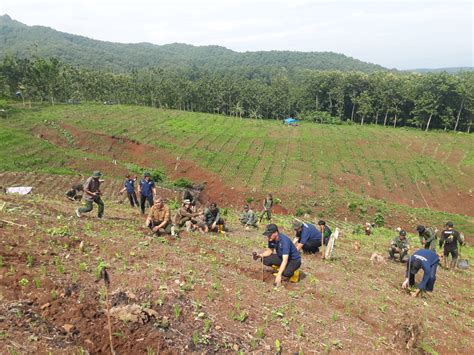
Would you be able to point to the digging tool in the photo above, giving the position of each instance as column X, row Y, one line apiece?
column 104, row 275
column 321, row 228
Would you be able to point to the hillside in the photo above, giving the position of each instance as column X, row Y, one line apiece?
column 353, row 172
column 19, row 39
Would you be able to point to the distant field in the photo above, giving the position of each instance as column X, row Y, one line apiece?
column 309, row 165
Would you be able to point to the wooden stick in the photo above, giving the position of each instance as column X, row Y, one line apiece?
column 13, row 223
column 262, row 270
column 321, row 228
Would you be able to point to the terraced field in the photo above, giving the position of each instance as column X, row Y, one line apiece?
column 316, row 168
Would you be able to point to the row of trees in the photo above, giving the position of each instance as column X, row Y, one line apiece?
column 436, row 100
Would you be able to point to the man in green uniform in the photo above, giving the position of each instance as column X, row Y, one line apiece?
column 427, row 237
column 248, row 218
column 399, row 245
column 450, row 238
column 92, row 194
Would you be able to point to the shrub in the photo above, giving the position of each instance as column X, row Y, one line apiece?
column 379, row 219
column 184, row 183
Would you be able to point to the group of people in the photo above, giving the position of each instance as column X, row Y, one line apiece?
column 159, row 218
column 282, row 253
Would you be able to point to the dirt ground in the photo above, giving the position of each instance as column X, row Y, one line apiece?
column 204, row 293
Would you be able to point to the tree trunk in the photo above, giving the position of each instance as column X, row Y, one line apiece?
column 317, row 103
column 330, row 104
column 459, row 115
column 469, row 127
column 385, row 119
column 377, row 117
column 362, row 121
column 352, row 114
column 428, row 124
column 395, row 121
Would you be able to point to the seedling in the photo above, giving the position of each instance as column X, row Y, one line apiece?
column 29, row 260
column 23, row 282
column 177, row 310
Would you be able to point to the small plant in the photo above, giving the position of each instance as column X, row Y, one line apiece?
column 37, row 283
column 335, row 316
column 30, row 260
column 352, row 206
column 54, row 295
column 249, row 199
column 23, row 282
column 63, row 231
column 100, row 266
column 83, row 267
column 206, row 325
column 184, row 183
column 177, row 310
column 379, row 219
column 2, row 263
column 278, row 346
column 260, row 333
column 300, row 330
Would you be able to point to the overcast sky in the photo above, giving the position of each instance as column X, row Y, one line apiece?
column 396, row 34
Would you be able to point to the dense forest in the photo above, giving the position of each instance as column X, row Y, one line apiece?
column 433, row 100
column 41, row 64
column 29, row 41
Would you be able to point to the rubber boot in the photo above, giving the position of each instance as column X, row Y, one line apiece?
column 296, row 277
column 454, row 262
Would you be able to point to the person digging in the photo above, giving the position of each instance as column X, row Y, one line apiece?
column 159, row 218
column 427, row 260
column 286, row 259
column 427, row 237
column 92, row 194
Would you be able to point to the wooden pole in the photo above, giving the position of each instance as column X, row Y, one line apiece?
column 321, row 228
column 262, row 270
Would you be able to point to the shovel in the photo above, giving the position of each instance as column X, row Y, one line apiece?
column 463, row 264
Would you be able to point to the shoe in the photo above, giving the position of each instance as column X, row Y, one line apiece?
column 296, row 277
column 78, row 214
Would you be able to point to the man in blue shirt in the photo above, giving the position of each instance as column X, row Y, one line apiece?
column 129, row 186
column 146, row 190
column 308, row 237
column 427, row 260
column 287, row 257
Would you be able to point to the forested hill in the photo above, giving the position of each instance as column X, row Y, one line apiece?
column 19, row 39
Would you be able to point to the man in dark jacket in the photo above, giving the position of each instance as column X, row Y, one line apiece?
column 129, row 186
column 450, row 238
column 427, row 260
column 307, row 238
column 213, row 220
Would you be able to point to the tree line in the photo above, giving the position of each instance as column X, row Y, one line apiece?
column 427, row 101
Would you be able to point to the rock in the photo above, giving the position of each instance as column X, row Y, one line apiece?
column 235, row 347
column 46, row 305
column 68, row 327
column 218, row 327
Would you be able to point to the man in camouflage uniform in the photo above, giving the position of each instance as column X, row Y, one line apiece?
column 450, row 239
column 185, row 217
column 92, row 194
column 427, row 237
column 248, row 218
column 399, row 245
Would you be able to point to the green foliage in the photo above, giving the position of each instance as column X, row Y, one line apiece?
column 23, row 282
column 379, row 219
column 183, row 183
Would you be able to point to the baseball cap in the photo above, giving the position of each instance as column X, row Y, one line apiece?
column 96, row 174
column 270, row 229
column 450, row 224
column 297, row 225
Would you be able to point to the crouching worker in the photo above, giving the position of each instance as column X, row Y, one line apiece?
column 287, row 258
column 74, row 193
column 248, row 218
column 159, row 218
column 185, row 217
column 213, row 220
column 308, row 237
column 399, row 245
column 427, row 260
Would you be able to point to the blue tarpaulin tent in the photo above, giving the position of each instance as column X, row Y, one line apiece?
column 290, row 121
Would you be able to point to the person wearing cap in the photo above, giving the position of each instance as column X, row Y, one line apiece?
column 450, row 238
column 147, row 191
column 159, row 218
column 427, row 237
column 185, row 217
column 399, row 245
column 92, row 193
column 286, row 257
column 129, row 186
column 326, row 231
column 213, row 220
column 307, row 238
column 248, row 218
column 427, row 260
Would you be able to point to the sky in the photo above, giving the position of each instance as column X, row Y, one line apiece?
column 404, row 34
